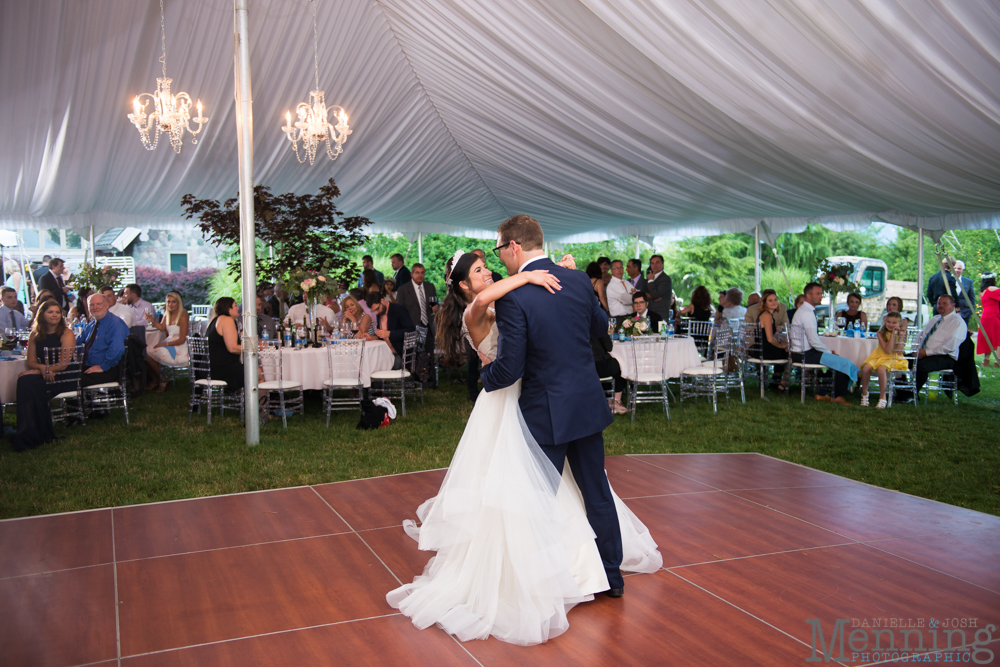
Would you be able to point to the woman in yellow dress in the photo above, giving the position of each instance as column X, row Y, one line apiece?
column 881, row 360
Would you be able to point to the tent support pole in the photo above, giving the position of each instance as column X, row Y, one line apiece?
column 756, row 258
column 637, row 246
column 248, row 249
column 93, row 248
column 920, row 277
column 420, row 247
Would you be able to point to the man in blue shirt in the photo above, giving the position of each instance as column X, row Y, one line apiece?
column 104, row 343
column 10, row 317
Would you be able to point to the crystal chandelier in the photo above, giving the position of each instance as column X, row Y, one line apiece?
column 312, row 127
column 170, row 114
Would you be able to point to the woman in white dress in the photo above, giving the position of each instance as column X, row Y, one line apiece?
column 515, row 551
column 173, row 350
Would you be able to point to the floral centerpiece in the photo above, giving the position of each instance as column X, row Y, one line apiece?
column 310, row 285
column 96, row 277
column 635, row 326
column 836, row 278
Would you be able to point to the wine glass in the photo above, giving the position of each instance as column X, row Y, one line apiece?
column 611, row 325
column 841, row 323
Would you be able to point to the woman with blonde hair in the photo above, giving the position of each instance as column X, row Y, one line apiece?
column 882, row 359
column 16, row 280
column 173, row 350
column 359, row 320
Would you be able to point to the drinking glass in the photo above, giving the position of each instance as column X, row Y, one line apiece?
column 841, row 323
column 611, row 325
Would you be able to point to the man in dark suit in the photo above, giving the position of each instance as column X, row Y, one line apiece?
column 936, row 285
column 545, row 342
column 659, row 291
column 640, row 307
column 53, row 282
column 964, row 289
column 367, row 263
column 391, row 322
column 43, row 269
column 634, row 270
column 420, row 300
column 402, row 274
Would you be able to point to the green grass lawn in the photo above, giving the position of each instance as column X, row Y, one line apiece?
column 936, row 451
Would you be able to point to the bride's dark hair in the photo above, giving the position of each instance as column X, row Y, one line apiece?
column 449, row 315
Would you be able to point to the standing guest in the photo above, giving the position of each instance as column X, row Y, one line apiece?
column 402, row 274
column 608, row 367
column 963, row 289
column 119, row 309
column 359, row 321
column 140, row 307
column 36, row 386
column 264, row 321
column 619, row 293
column 594, row 273
column 854, row 313
column 881, row 359
column 392, row 321
column 734, row 309
column 17, row 281
column 368, row 264
column 265, row 291
column 419, row 297
column 806, row 345
column 634, row 270
column 104, row 343
column 939, row 341
column 798, row 302
column 659, row 290
column 53, row 282
column 389, row 290
column 641, row 309
column 700, row 308
column 605, row 264
column 989, row 323
column 172, row 351
column 79, row 310
column 941, row 282
column 771, row 347
column 225, row 354
column 479, row 252
column 276, row 304
column 370, row 281
column 9, row 315
column 42, row 269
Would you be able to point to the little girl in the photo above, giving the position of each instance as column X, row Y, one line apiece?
column 881, row 359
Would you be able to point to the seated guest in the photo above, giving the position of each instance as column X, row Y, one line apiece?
column 640, row 308
column 389, row 290
column 358, row 320
column 594, row 273
column 894, row 304
column 619, row 293
column 798, row 302
column 10, row 317
column 608, row 366
column 264, row 321
column 133, row 296
column 173, row 350
column 40, row 298
column 939, row 340
column 391, row 322
column 119, row 309
column 733, row 309
column 781, row 314
column 36, row 386
column 104, row 340
column 359, row 296
column 772, row 348
column 807, row 347
column 854, row 313
column 79, row 310
column 225, row 354
column 325, row 314
column 401, row 275
column 753, row 300
column 700, row 308
column 881, row 359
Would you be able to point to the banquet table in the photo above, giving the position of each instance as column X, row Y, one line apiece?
column 153, row 337
column 681, row 354
column 855, row 349
column 309, row 366
column 9, row 371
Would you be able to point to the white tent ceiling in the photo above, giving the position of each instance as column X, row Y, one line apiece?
column 601, row 118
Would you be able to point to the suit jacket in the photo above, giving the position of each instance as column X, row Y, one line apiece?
column 935, row 288
column 641, row 285
column 402, row 277
column 49, row 282
column 406, row 296
column 39, row 272
column 378, row 276
column 545, row 342
column 661, row 289
column 398, row 322
column 963, row 308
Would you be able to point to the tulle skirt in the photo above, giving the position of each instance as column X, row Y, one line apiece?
column 515, row 551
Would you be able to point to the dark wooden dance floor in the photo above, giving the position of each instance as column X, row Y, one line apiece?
column 753, row 547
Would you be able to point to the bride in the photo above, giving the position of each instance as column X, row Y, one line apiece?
column 515, row 551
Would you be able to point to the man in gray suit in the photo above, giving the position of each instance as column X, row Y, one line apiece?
column 635, row 277
column 420, row 300
column 659, row 289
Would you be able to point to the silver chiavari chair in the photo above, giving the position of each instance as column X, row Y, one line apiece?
column 345, row 359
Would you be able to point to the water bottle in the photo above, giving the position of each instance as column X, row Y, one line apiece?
column 670, row 329
column 851, row 329
column 265, row 337
column 288, row 336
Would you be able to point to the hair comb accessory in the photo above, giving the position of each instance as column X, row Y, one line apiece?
column 454, row 261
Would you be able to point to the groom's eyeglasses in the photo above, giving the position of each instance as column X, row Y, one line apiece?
column 496, row 251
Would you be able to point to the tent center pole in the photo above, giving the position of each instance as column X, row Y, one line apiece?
column 756, row 258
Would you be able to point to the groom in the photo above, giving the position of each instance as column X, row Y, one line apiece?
column 545, row 339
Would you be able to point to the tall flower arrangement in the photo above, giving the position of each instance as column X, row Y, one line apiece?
column 836, row 278
column 309, row 285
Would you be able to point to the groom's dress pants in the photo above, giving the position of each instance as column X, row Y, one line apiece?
column 586, row 460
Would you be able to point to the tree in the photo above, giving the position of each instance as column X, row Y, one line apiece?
column 306, row 231
column 717, row 262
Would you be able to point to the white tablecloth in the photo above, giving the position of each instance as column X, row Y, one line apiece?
column 855, row 349
column 153, row 337
column 681, row 354
column 9, row 371
column 309, row 366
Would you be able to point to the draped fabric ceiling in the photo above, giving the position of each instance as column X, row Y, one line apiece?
column 601, row 118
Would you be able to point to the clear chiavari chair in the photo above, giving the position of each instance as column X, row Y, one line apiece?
column 345, row 359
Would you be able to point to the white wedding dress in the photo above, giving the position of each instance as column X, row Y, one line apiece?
column 515, row 551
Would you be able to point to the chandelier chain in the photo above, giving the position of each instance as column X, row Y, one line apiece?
column 163, row 42
column 315, row 48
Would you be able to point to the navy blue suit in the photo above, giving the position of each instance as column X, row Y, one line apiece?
column 545, row 341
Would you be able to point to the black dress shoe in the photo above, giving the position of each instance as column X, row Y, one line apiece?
column 615, row 592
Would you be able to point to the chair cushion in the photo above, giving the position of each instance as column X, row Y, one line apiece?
column 341, row 382
column 103, row 385
column 810, row 366
column 649, row 377
column 65, row 395
column 274, row 385
column 391, row 375
column 703, row 371
column 215, row 383
column 754, row 360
